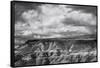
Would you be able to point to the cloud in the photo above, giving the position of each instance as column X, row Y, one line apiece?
column 53, row 19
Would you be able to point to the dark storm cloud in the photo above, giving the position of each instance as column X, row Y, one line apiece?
column 22, row 7
column 87, row 9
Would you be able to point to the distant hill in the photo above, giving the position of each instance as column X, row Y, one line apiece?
column 70, row 37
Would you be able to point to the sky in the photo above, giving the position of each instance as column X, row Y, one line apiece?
column 54, row 20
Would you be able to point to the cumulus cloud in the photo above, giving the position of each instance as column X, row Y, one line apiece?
column 53, row 19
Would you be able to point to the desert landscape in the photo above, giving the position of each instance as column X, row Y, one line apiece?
column 55, row 51
column 48, row 34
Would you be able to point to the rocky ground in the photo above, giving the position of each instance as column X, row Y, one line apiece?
column 45, row 52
